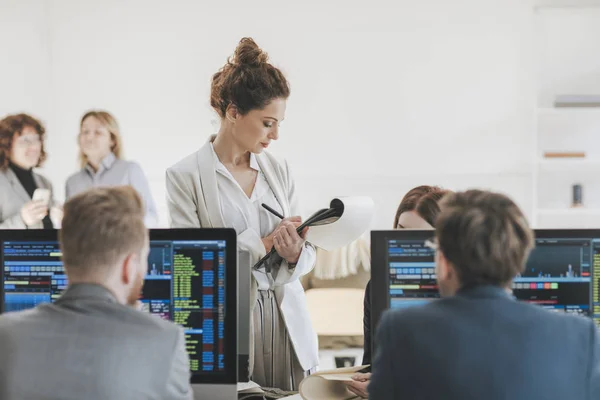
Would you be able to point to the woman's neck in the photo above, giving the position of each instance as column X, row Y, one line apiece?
column 228, row 151
column 94, row 162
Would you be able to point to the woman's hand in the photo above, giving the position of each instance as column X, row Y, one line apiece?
column 33, row 212
column 359, row 384
column 287, row 241
column 268, row 241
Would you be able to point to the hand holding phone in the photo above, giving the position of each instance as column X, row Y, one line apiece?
column 41, row 195
column 33, row 212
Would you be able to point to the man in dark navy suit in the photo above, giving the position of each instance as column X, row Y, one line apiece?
column 478, row 342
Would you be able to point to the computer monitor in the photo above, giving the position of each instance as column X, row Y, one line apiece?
column 191, row 280
column 562, row 272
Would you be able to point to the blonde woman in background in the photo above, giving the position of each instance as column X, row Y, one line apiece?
column 100, row 156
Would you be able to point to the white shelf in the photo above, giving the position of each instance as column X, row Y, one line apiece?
column 582, row 211
column 577, row 218
column 569, row 161
column 542, row 4
column 569, row 110
column 579, row 165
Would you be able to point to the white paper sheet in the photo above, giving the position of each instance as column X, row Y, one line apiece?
column 356, row 219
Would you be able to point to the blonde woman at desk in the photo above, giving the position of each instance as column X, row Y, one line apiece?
column 26, row 200
column 100, row 157
column 224, row 184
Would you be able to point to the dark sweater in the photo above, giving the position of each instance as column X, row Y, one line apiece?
column 367, row 325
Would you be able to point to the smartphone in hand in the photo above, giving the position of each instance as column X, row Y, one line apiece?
column 42, row 195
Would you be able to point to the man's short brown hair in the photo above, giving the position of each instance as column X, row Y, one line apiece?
column 99, row 227
column 485, row 236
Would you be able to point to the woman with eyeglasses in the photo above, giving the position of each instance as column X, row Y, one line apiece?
column 225, row 183
column 418, row 210
column 102, row 163
column 26, row 200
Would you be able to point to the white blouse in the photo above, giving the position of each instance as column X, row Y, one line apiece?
column 246, row 213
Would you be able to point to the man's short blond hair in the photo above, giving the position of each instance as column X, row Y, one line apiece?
column 99, row 228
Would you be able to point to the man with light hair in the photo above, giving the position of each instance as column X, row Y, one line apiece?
column 92, row 343
column 478, row 342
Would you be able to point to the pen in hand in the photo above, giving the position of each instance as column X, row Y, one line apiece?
column 299, row 230
column 272, row 211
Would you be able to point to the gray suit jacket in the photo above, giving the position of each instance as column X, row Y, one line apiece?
column 87, row 346
column 193, row 200
column 12, row 198
column 483, row 344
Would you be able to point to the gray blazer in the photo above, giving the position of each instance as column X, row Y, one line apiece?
column 193, row 200
column 13, row 197
column 88, row 346
column 483, row 344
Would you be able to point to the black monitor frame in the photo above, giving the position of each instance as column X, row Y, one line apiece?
column 380, row 277
column 229, row 376
column 568, row 233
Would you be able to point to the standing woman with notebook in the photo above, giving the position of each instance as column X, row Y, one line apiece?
column 225, row 183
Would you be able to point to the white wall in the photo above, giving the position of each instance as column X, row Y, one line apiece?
column 386, row 95
column 24, row 58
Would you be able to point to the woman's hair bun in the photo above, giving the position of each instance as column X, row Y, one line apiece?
column 248, row 53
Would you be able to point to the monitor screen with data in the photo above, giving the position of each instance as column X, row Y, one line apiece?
column 402, row 271
column 558, row 275
column 191, row 280
column 411, row 277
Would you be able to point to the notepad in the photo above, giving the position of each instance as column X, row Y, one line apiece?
column 329, row 384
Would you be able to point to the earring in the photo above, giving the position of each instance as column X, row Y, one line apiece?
column 230, row 118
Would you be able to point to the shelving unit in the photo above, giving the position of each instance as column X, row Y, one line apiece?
column 585, row 166
column 570, row 211
column 568, row 34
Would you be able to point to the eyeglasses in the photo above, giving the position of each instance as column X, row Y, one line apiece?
column 27, row 140
column 432, row 244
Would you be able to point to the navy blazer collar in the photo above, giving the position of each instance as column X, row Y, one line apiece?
column 484, row 291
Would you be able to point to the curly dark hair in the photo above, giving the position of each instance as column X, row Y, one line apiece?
column 12, row 126
column 247, row 81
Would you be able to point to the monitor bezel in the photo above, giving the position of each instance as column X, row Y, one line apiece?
column 572, row 233
column 379, row 271
column 229, row 376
